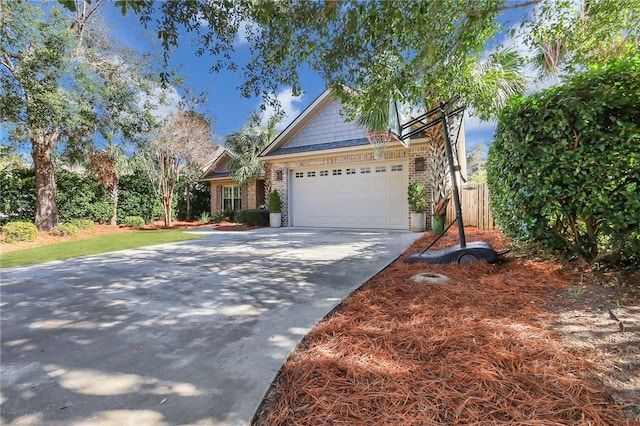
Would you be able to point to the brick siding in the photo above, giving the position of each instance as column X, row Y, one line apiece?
column 394, row 153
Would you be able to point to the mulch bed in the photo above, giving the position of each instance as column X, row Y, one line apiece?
column 474, row 350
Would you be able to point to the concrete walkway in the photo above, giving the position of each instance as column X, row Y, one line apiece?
column 183, row 333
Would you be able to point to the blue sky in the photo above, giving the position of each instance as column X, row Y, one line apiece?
column 223, row 98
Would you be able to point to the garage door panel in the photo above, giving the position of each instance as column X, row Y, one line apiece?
column 364, row 196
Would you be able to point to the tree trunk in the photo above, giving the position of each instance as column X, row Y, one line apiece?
column 166, row 206
column 114, row 199
column 46, row 205
column 187, row 201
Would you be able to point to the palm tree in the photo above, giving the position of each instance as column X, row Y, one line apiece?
column 487, row 87
column 245, row 146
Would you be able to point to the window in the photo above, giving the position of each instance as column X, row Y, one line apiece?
column 231, row 198
column 381, row 169
column 299, row 174
column 311, row 174
column 351, row 171
column 324, row 172
column 365, row 170
column 396, row 168
column 337, row 172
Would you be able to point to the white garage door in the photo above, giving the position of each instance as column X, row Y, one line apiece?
column 354, row 196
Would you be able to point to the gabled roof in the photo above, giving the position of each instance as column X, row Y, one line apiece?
column 279, row 144
column 212, row 169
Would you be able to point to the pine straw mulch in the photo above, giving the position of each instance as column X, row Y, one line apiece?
column 479, row 349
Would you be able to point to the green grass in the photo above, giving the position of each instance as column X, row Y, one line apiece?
column 97, row 245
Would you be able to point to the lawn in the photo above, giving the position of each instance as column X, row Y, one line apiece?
column 95, row 245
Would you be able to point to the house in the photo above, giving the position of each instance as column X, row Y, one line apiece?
column 226, row 194
column 324, row 168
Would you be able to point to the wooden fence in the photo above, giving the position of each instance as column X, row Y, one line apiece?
column 474, row 200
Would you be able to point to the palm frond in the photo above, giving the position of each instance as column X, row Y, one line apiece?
column 494, row 80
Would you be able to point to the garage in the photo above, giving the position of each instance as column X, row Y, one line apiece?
column 362, row 196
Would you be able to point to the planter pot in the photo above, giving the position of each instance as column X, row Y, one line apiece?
column 275, row 220
column 418, row 222
column 437, row 224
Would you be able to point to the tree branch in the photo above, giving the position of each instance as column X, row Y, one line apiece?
column 510, row 6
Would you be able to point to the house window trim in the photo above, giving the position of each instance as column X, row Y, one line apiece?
column 235, row 200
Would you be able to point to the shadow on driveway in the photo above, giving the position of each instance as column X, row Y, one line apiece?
column 183, row 333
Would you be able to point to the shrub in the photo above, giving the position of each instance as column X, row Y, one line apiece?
column 18, row 195
column 79, row 196
column 84, row 224
column 200, row 195
column 204, row 217
column 417, row 197
column 133, row 221
column 565, row 165
column 275, row 204
column 253, row 217
column 65, row 230
column 222, row 215
column 19, row 231
column 136, row 197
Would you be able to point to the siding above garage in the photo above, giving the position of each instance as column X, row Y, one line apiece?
column 327, row 126
column 301, row 161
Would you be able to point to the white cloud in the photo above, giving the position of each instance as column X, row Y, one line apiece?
column 474, row 124
column 162, row 101
column 289, row 104
column 241, row 35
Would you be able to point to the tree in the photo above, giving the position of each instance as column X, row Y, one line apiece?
column 182, row 141
column 63, row 82
column 10, row 159
column 420, row 52
column 38, row 92
column 568, row 36
column 476, row 164
column 245, row 146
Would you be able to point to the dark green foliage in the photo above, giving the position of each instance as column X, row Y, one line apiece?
column 254, row 217
column 19, row 231
column 222, row 215
column 18, row 195
column 137, row 198
column 565, row 165
column 133, row 221
column 200, row 201
column 275, row 205
column 65, row 229
column 81, row 197
column 417, row 197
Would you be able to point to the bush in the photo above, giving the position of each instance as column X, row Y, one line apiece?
column 275, row 204
column 18, row 195
column 79, row 196
column 222, row 215
column 133, row 221
column 417, row 197
column 65, row 230
column 200, row 200
column 19, row 231
column 204, row 217
column 84, row 224
column 253, row 217
column 565, row 165
column 137, row 198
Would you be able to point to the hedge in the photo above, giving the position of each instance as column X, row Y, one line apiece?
column 564, row 168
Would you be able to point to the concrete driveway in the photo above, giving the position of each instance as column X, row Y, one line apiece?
column 183, row 333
